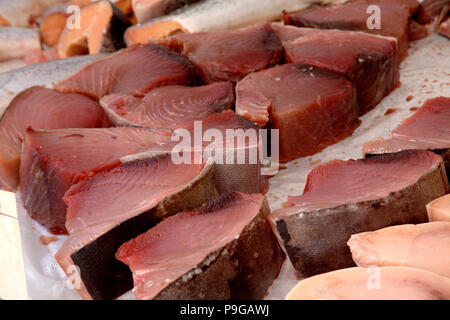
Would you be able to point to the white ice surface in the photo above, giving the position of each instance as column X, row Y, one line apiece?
column 425, row 74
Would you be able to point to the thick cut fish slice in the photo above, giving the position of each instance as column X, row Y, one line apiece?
column 427, row 129
column 39, row 107
column 439, row 209
column 53, row 160
column 21, row 13
column 313, row 108
column 213, row 15
column 101, row 29
column 52, row 25
column 224, row 250
column 135, row 71
column 145, row 10
column 17, row 42
column 424, row 246
column 385, row 283
column 117, row 206
column 229, row 55
column 169, row 107
column 353, row 16
column 370, row 62
column 342, row 198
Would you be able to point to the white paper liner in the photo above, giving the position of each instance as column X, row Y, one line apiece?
column 424, row 74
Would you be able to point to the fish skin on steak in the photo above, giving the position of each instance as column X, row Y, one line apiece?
column 40, row 107
column 312, row 107
column 224, row 250
column 427, row 129
column 370, row 62
column 342, row 198
column 135, row 70
column 229, row 55
column 170, row 107
column 136, row 196
column 54, row 160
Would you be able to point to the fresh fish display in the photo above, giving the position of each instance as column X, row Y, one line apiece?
column 342, row 198
column 17, row 42
column 424, row 246
column 439, row 209
column 427, row 129
column 385, row 283
column 61, row 110
column 54, row 160
column 101, row 30
column 170, row 107
column 129, row 72
column 229, row 252
column 293, row 98
column 369, row 61
column 135, row 196
column 213, row 15
column 229, row 55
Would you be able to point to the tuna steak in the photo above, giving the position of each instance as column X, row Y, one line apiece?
column 229, row 55
column 424, row 246
column 53, row 160
column 385, row 283
column 427, row 129
column 370, row 62
column 224, row 250
column 313, row 108
column 117, row 206
column 342, row 198
column 135, row 70
column 353, row 16
column 169, row 107
column 41, row 108
column 439, row 209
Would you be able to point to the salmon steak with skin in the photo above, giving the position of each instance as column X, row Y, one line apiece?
column 353, row 16
column 54, row 160
column 422, row 246
column 230, row 252
column 229, row 55
column 427, row 129
column 39, row 107
column 135, row 196
column 135, row 71
column 101, row 29
column 342, row 198
column 384, row 283
column 295, row 97
column 169, row 107
column 370, row 62
column 439, row 209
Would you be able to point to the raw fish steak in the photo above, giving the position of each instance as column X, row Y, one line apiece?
column 385, row 283
column 170, row 107
column 229, row 55
column 370, row 62
column 342, row 198
column 53, row 160
column 424, row 246
column 135, row 70
column 116, row 206
column 312, row 108
column 39, row 107
column 224, row 250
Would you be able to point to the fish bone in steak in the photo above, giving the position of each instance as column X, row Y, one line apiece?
column 115, row 206
column 134, row 70
column 370, row 62
column 312, row 107
column 229, row 55
column 224, row 250
column 427, row 129
column 342, row 198
column 40, row 107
